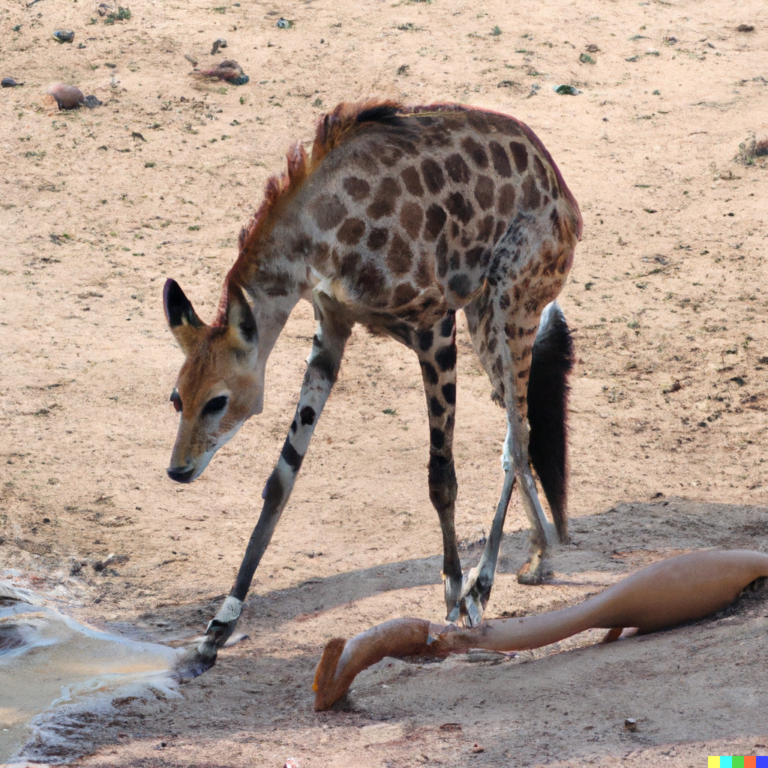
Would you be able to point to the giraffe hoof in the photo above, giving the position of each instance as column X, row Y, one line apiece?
column 528, row 578
column 194, row 661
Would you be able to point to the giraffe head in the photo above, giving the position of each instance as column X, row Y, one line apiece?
column 220, row 384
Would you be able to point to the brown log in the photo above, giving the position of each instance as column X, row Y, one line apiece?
column 671, row 592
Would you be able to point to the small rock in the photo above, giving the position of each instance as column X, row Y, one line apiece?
column 592, row 48
column 284, row 23
column 103, row 9
column 66, row 96
column 191, row 59
column 630, row 724
column 585, row 58
column 745, row 28
column 220, row 43
column 100, row 565
column 9, row 82
column 228, row 70
column 566, row 90
column 64, row 35
column 477, row 749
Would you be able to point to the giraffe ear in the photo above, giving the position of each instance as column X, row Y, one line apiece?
column 182, row 319
column 240, row 319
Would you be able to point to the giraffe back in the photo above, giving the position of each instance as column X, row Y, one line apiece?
column 404, row 214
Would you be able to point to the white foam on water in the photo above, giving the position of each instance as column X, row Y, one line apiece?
column 57, row 676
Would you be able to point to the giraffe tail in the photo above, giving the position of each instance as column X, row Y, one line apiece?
column 551, row 363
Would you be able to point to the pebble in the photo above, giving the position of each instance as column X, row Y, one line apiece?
column 66, row 96
column 191, row 59
column 284, row 23
column 630, row 724
column 228, row 70
column 9, row 82
column 220, row 43
column 64, row 35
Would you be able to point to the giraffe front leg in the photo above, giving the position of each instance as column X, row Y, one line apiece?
column 322, row 369
column 437, row 355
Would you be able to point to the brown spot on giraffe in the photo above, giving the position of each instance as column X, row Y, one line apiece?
column 458, row 170
column 460, row 207
column 385, row 199
column 485, row 229
column 520, row 155
column 358, row 189
column 506, row 201
column 541, row 173
column 411, row 216
column 476, row 151
column 403, row 294
column 377, row 238
column 484, row 191
column 531, row 198
column 500, row 160
column 399, row 255
column 412, row 181
column 351, row 231
column 328, row 211
column 433, row 176
column 434, row 223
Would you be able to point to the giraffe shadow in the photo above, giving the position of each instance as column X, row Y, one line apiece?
column 603, row 547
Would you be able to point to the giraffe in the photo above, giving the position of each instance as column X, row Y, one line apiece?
column 399, row 217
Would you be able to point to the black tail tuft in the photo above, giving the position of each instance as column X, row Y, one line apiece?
column 551, row 362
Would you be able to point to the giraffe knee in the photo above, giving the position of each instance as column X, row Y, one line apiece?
column 443, row 487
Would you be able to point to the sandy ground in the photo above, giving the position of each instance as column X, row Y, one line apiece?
column 98, row 207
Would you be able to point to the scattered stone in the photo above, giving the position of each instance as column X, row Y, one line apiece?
column 477, row 749
column 403, row 69
column 745, row 28
column 9, row 82
column 284, row 23
column 670, row 40
column 228, row 70
column 450, row 727
column 66, row 96
column 220, row 43
column 630, row 724
column 100, row 565
column 585, row 58
column 566, row 90
column 750, row 150
column 675, row 386
column 103, row 9
column 64, row 35
column 592, row 48
column 191, row 59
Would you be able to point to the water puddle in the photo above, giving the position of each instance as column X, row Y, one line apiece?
column 56, row 675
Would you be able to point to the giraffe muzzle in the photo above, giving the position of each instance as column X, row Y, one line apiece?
column 181, row 474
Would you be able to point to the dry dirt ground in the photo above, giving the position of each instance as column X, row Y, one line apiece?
column 98, row 207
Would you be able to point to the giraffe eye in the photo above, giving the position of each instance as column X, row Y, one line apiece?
column 176, row 400
column 215, row 405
